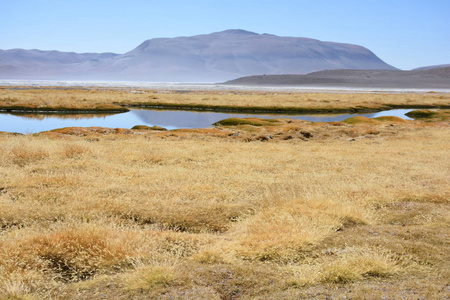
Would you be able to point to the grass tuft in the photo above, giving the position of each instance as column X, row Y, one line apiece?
column 145, row 127
column 247, row 121
column 360, row 120
column 430, row 115
column 151, row 278
column 390, row 119
column 352, row 264
column 422, row 114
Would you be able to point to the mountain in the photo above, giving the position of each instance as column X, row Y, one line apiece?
column 37, row 64
column 438, row 78
column 202, row 58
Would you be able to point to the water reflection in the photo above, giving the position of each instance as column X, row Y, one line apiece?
column 32, row 123
column 189, row 119
column 59, row 116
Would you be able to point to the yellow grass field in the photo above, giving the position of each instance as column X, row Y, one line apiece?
column 109, row 97
column 288, row 210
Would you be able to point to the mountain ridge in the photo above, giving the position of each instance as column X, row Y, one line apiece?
column 436, row 78
column 213, row 57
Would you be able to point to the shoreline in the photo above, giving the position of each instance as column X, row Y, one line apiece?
column 282, row 110
column 51, row 110
column 213, row 86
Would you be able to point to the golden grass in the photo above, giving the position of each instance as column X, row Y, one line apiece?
column 295, row 210
column 85, row 98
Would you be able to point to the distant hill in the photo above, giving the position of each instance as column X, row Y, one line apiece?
column 431, row 78
column 432, row 67
column 38, row 64
column 202, row 58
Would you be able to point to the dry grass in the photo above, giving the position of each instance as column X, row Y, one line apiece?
column 109, row 98
column 295, row 210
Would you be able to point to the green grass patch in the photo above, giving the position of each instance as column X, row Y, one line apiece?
column 247, row 121
column 430, row 115
column 360, row 120
column 422, row 114
column 145, row 127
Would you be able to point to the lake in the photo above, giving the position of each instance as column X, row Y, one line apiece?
column 33, row 123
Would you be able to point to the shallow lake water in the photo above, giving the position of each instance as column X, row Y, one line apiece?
column 33, row 123
column 198, row 86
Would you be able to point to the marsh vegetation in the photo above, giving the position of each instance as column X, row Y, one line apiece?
column 91, row 99
column 249, row 209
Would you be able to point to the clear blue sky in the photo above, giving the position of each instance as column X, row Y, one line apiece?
column 404, row 33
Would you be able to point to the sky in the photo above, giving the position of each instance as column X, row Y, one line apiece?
column 404, row 33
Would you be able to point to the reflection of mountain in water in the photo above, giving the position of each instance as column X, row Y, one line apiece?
column 179, row 119
column 189, row 119
column 28, row 123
